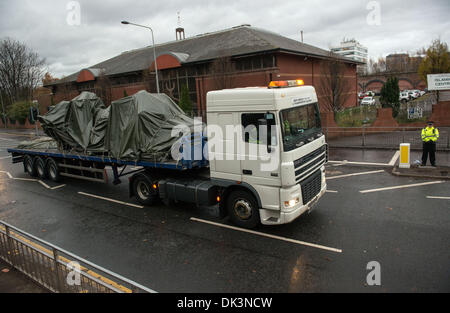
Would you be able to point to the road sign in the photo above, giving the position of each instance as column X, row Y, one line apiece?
column 438, row 81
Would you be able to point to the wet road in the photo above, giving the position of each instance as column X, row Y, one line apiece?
column 164, row 249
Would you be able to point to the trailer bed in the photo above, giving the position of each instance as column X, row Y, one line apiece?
column 173, row 165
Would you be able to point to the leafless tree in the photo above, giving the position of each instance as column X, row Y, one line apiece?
column 334, row 87
column 21, row 70
column 222, row 72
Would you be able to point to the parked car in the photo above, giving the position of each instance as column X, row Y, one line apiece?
column 370, row 93
column 368, row 101
column 404, row 96
column 422, row 92
column 414, row 94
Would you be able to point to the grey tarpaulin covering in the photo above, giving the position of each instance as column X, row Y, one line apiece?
column 41, row 143
column 140, row 126
column 73, row 123
column 132, row 128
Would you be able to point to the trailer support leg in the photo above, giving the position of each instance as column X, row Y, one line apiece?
column 116, row 180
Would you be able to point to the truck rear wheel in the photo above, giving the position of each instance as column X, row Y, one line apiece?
column 29, row 166
column 243, row 209
column 52, row 170
column 39, row 165
column 143, row 190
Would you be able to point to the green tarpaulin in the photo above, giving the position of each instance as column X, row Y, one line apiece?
column 132, row 128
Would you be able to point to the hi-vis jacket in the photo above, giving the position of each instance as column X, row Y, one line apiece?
column 430, row 134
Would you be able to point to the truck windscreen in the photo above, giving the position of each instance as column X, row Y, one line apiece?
column 300, row 125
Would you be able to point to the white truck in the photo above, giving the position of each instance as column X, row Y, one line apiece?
column 266, row 157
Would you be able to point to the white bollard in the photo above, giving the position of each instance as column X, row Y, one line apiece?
column 405, row 160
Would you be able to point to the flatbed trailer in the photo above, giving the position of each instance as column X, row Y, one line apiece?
column 183, row 180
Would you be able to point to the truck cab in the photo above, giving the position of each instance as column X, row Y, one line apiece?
column 267, row 143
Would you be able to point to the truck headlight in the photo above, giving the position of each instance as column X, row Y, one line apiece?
column 291, row 203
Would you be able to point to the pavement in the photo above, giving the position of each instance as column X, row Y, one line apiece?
column 388, row 140
column 12, row 281
column 367, row 215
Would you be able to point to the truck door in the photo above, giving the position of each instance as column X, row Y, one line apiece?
column 259, row 164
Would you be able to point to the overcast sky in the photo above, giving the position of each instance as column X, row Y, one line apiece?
column 45, row 26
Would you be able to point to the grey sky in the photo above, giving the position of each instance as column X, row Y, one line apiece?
column 405, row 25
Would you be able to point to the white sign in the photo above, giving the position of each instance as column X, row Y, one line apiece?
column 438, row 81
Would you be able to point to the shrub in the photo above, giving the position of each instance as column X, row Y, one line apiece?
column 19, row 111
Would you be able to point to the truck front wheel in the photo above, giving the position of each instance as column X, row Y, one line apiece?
column 143, row 190
column 243, row 209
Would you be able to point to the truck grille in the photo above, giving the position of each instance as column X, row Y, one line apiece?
column 311, row 186
column 316, row 159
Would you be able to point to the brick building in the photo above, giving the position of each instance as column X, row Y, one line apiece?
column 238, row 57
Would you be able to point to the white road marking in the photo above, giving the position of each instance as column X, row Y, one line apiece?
column 402, row 186
column 32, row 179
column 359, row 163
column 268, row 235
column 24, row 179
column 394, row 158
column 111, row 200
column 57, row 187
column 44, row 184
column 332, row 191
column 6, row 157
column 442, row 198
column 7, row 173
column 355, row 174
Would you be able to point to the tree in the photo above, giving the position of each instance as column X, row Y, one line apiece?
column 334, row 87
column 222, row 70
column 390, row 93
column 21, row 70
column 436, row 61
column 185, row 101
column 48, row 78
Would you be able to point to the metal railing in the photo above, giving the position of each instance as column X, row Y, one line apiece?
column 382, row 137
column 55, row 268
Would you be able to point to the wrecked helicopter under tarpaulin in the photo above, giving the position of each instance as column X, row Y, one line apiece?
column 73, row 123
column 138, row 127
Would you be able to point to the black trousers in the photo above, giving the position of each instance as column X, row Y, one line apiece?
column 429, row 148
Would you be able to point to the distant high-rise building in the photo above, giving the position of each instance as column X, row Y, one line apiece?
column 352, row 49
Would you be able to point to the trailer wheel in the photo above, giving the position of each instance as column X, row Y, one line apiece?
column 39, row 165
column 52, row 170
column 143, row 190
column 28, row 165
column 243, row 209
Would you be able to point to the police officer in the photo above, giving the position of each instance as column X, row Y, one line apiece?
column 430, row 135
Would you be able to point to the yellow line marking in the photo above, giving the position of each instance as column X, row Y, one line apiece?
column 65, row 260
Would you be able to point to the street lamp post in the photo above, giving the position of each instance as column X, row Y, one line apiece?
column 154, row 50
